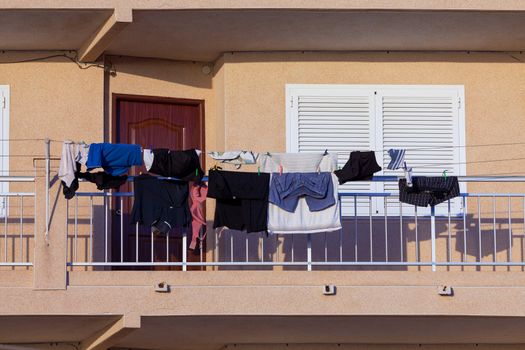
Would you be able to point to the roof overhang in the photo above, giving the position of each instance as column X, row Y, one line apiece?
column 203, row 30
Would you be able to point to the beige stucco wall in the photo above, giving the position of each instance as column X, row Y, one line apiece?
column 53, row 99
column 245, row 108
column 494, row 87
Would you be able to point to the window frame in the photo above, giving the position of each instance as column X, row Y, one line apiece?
column 376, row 92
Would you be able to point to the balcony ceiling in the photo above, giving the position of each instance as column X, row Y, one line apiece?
column 203, row 34
column 193, row 35
column 213, row 332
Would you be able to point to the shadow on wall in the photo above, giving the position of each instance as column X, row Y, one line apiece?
column 372, row 56
column 364, row 241
column 177, row 72
column 486, row 237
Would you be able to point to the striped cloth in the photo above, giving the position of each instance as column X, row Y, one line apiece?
column 431, row 190
column 397, row 158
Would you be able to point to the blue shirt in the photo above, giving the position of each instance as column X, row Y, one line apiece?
column 115, row 159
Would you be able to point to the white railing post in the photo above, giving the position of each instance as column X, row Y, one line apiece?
column 184, row 250
column 433, row 235
column 309, row 252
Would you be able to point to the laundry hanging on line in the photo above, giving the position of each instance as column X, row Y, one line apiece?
column 115, row 159
column 241, row 199
column 198, row 194
column 183, row 165
column 360, row 166
column 397, row 158
column 427, row 191
column 290, row 193
column 316, row 188
column 302, row 219
column 237, row 158
column 160, row 204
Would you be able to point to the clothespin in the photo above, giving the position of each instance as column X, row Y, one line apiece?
column 259, row 171
column 280, row 169
column 445, row 174
column 196, row 171
column 268, row 154
column 325, row 152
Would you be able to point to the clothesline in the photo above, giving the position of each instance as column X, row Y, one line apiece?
column 375, row 150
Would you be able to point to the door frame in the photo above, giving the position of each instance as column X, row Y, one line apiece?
column 116, row 98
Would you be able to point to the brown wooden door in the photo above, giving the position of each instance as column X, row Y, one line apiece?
column 176, row 124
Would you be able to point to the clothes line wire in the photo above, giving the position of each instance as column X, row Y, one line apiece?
column 386, row 150
column 9, row 140
column 73, row 59
column 441, row 164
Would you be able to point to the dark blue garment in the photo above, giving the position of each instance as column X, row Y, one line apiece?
column 316, row 188
column 431, row 190
column 115, row 159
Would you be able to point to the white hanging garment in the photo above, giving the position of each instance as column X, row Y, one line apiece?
column 148, row 157
column 68, row 167
column 236, row 158
column 81, row 151
column 302, row 220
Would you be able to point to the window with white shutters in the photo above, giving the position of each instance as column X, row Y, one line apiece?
column 427, row 121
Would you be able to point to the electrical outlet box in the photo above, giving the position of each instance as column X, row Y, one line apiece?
column 329, row 289
column 162, row 287
column 445, row 291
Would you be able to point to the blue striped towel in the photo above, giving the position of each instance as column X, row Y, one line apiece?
column 397, row 158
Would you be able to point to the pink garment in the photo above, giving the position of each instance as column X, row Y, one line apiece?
column 198, row 193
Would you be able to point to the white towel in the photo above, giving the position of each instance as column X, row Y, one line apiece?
column 68, row 167
column 302, row 220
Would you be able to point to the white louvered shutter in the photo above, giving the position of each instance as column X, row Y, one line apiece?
column 339, row 121
column 426, row 123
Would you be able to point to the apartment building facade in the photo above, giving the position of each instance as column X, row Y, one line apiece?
column 443, row 79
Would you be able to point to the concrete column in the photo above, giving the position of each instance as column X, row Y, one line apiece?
column 50, row 254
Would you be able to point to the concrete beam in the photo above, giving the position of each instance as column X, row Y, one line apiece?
column 109, row 336
column 99, row 42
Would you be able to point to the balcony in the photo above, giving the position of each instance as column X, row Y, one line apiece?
column 482, row 230
column 479, row 231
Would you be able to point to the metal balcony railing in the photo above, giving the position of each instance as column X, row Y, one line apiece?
column 18, row 220
column 476, row 231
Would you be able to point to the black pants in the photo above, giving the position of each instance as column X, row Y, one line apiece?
column 160, row 201
column 360, row 166
column 428, row 190
column 242, row 199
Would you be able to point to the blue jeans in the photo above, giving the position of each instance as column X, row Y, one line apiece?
column 316, row 188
